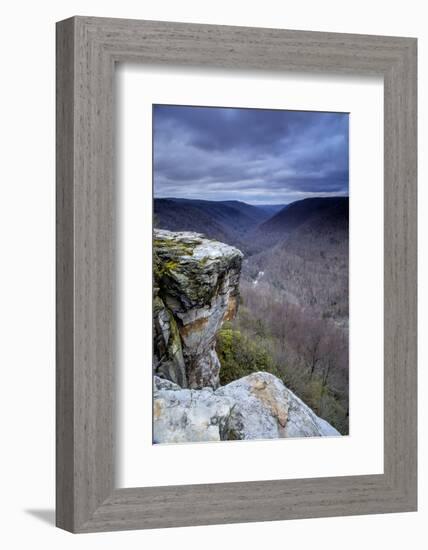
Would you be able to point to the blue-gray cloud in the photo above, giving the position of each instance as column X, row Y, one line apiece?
column 253, row 155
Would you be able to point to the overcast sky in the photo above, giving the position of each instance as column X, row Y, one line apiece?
column 253, row 155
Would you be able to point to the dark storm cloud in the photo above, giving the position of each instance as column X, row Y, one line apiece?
column 257, row 156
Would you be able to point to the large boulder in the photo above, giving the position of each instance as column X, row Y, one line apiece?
column 257, row 406
column 184, row 415
column 261, row 406
column 196, row 289
column 266, row 409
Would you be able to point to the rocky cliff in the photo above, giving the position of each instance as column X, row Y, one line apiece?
column 257, row 406
column 196, row 285
column 196, row 288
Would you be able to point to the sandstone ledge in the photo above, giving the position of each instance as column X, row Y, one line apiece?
column 257, row 406
column 196, row 289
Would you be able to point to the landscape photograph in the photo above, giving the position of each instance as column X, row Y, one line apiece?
column 250, row 274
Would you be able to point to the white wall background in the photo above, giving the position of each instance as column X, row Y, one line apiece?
column 27, row 271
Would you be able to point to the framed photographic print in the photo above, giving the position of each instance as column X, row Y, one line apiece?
column 272, row 305
column 236, row 274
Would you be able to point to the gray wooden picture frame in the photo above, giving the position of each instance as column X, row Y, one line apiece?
column 87, row 50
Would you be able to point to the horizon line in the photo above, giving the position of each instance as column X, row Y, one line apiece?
column 259, row 203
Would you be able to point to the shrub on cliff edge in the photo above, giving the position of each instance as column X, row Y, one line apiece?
column 240, row 356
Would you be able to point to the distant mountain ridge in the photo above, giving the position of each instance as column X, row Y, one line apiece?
column 252, row 228
column 227, row 221
column 299, row 212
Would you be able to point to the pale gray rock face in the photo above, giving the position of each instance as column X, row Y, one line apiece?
column 184, row 415
column 197, row 282
column 257, row 406
column 162, row 384
column 303, row 422
column 261, row 406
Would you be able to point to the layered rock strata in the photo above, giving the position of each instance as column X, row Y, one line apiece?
column 196, row 283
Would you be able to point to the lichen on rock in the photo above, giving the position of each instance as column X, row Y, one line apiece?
column 196, row 285
column 266, row 409
column 183, row 415
column 257, row 406
column 261, row 406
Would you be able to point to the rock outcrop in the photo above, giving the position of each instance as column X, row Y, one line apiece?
column 196, row 284
column 184, row 415
column 257, row 406
column 266, row 408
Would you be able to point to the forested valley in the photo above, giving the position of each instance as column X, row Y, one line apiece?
column 293, row 313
